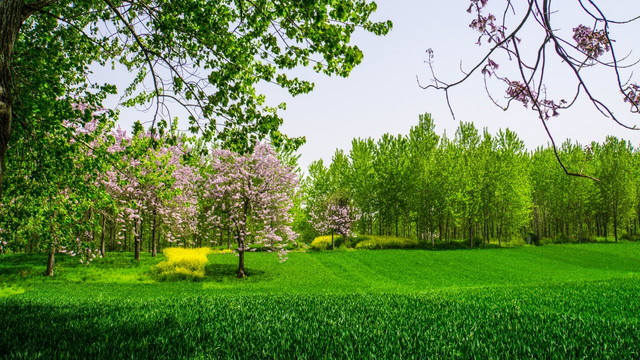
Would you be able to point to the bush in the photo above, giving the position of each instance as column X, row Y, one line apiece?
column 184, row 264
column 324, row 242
column 386, row 242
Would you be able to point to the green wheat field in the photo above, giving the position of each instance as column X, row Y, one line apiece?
column 571, row 301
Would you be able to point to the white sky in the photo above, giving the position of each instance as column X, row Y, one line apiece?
column 382, row 95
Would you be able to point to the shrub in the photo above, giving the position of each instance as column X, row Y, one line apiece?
column 324, row 242
column 221, row 251
column 387, row 242
column 184, row 264
column 321, row 243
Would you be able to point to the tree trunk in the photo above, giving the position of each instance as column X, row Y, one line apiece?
column 332, row 244
column 580, row 230
column 154, row 245
column 137, row 239
column 11, row 19
column 396, row 226
column 470, row 234
column 241, row 273
column 102, row 243
column 51, row 261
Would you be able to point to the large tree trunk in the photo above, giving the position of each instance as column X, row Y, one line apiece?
column 11, row 18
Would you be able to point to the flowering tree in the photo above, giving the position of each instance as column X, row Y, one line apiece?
column 251, row 194
column 335, row 217
column 150, row 180
column 590, row 47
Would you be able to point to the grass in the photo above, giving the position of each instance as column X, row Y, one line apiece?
column 556, row 301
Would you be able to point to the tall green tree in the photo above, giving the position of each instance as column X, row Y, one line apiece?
column 392, row 167
column 512, row 201
column 617, row 183
column 423, row 142
column 363, row 180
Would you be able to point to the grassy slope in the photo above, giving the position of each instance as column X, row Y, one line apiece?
column 562, row 301
column 388, row 271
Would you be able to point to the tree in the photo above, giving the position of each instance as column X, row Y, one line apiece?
column 617, row 184
column 423, row 142
column 391, row 165
column 252, row 194
column 467, row 171
column 591, row 47
column 363, row 180
column 337, row 216
column 204, row 56
column 512, row 199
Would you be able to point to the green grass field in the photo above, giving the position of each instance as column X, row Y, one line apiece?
column 556, row 301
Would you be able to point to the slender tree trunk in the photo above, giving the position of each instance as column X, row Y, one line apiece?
column 332, row 244
column 104, row 228
column 433, row 240
column 580, row 230
column 396, row 226
column 137, row 239
column 154, row 245
column 470, row 234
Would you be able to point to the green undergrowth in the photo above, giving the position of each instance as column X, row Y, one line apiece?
column 386, row 242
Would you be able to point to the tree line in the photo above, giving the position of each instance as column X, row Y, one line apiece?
column 480, row 187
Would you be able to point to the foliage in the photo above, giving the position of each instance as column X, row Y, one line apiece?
column 183, row 264
column 231, row 47
column 386, row 242
column 480, row 187
column 321, row 243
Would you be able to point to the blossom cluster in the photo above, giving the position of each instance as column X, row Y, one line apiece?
column 593, row 43
column 632, row 95
column 520, row 92
column 485, row 24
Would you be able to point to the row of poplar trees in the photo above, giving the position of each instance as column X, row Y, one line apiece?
column 482, row 187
